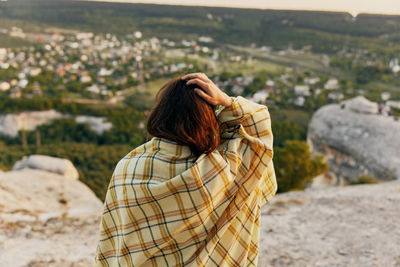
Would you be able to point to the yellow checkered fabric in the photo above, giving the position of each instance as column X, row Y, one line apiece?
column 165, row 207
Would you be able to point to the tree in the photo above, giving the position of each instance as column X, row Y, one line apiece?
column 367, row 74
column 284, row 130
column 295, row 166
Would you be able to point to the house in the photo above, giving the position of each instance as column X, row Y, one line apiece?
column 311, row 81
column 270, row 83
column 23, row 83
column 105, row 72
column 15, row 92
column 335, row 96
column 317, row 91
column 4, row 65
column 237, row 89
column 260, row 96
column 4, row 86
column 14, row 82
column 332, row 84
column 394, row 65
column 85, row 78
column 138, row 34
column 3, row 53
column 385, row 96
column 303, row 90
column 299, row 101
column 35, row 71
column 93, row 89
column 206, row 39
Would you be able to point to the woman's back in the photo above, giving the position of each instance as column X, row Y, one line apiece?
column 166, row 206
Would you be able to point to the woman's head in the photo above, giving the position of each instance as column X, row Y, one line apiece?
column 183, row 116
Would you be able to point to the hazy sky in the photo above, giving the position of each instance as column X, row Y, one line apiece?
column 352, row 6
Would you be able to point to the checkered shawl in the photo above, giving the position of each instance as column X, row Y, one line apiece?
column 166, row 207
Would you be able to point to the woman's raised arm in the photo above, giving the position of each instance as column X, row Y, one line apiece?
column 246, row 134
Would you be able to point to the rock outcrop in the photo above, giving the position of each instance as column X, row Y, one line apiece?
column 10, row 124
column 48, row 217
column 97, row 124
column 356, row 143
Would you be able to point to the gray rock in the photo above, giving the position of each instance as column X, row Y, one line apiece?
column 97, row 124
column 356, row 143
column 10, row 124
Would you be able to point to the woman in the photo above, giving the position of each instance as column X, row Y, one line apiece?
column 191, row 196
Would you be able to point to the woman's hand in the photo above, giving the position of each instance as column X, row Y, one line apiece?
column 209, row 91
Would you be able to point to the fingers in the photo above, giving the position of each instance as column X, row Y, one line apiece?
column 206, row 97
column 198, row 75
column 191, row 76
column 204, row 85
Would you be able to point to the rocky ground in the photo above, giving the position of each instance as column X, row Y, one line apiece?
column 336, row 226
column 332, row 226
column 58, row 242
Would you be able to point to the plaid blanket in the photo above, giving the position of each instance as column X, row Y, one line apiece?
column 165, row 207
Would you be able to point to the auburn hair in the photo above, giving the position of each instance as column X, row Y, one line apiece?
column 181, row 115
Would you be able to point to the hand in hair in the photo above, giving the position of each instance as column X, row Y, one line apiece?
column 208, row 90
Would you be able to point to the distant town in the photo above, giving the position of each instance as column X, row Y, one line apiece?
column 84, row 66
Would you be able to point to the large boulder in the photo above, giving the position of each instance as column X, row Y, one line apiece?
column 44, row 194
column 356, row 143
column 44, row 186
column 51, row 164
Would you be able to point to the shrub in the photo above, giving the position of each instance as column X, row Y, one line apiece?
column 295, row 166
column 364, row 179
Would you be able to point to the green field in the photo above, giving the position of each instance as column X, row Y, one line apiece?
column 7, row 41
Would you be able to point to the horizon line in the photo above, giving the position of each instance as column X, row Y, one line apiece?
column 353, row 14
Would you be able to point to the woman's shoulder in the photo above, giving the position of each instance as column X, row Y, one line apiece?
column 140, row 151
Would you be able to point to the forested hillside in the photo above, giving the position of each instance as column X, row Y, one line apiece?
column 326, row 32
